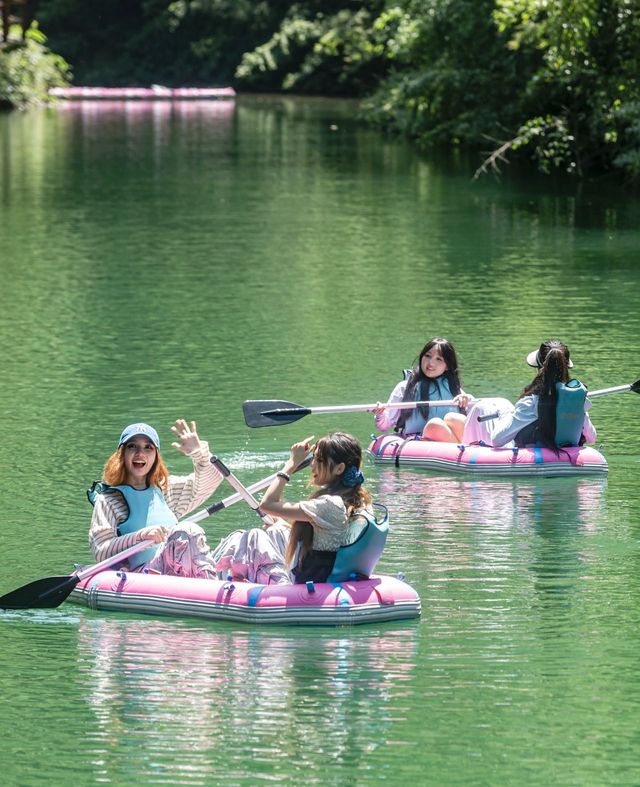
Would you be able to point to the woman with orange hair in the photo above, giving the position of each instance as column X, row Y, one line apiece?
column 139, row 499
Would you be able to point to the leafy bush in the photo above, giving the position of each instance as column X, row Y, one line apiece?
column 321, row 48
column 28, row 69
column 586, row 84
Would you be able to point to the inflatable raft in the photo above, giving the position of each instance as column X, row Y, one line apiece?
column 132, row 93
column 483, row 460
column 375, row 600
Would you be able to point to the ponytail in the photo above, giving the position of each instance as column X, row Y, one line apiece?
column 554, row 369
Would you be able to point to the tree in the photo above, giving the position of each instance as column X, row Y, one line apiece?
column 28, row 68
column 581, row 109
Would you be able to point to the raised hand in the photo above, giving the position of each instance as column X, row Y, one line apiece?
column 187, row 435
column 299, row 451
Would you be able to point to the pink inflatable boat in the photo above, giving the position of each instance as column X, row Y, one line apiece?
column 483, row 460
column 374, row 600
column 153, row 92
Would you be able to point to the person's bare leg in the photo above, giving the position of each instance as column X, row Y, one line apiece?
column 438, row 430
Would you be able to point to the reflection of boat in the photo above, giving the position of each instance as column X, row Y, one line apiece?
column 484, row 460
column 373, row 600
column 487, row 504
column 146, row 679
column 153, row 92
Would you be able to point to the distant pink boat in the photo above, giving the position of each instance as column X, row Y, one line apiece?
column 153, row 92
column 484, row 460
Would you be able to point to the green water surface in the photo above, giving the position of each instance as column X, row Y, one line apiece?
column 172, row 260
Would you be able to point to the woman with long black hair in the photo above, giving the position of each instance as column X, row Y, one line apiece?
column 435, row 377
column 552, row 410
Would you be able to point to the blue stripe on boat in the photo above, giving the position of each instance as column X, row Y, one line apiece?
column 537, row 454
column 342, row 599
column 254, row 595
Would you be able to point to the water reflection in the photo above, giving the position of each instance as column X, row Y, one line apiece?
column 492, row 546
column 444, row 502
column 162, row 110
column 229, row 697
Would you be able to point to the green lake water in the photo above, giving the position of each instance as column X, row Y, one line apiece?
column 162, row 261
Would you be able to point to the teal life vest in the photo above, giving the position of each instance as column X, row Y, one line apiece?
column 438, row 390
column 358, row 558
column 569, row 418
column 147, row 507
column 569, row 412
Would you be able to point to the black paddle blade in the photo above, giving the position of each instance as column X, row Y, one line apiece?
column 46, row 593
column 272, row 412
column 635, row 387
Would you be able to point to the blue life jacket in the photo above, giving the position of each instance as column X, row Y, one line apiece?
column 358, row 559
column 569, row 418
column 570, row 412
column 147, row 507
column 438, row 390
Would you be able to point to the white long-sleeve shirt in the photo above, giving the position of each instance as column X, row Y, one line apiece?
column 184, row 493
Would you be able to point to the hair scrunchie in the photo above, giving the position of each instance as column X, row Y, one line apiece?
column 352, row 476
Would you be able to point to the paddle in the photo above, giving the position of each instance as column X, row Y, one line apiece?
column 50, row 592
column 232, row 499
column 635, row 387
column 245, row 492
column 275, row 412
column 242, row 490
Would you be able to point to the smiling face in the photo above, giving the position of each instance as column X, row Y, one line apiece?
column 139, row 457
column 432, row 363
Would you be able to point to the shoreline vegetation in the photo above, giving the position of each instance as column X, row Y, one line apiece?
column 28, row 69
column 552, row 83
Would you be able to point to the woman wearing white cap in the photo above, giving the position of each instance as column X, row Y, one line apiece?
column 139, row 499
column 552, row 409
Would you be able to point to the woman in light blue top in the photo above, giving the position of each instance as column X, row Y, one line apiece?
column 139, row 500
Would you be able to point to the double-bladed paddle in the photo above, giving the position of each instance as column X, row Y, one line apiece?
column 276, row 412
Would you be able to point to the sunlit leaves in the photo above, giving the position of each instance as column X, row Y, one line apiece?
column 28, row 69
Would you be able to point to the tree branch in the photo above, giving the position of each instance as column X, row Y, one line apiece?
column 497, row 156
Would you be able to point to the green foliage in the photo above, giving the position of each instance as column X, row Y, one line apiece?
column 28, row 69
column 587, row 82
column 282, row 48
column 319, row 48
column 626, row 138
column 553, row 81
column 141, row 42
column 550, row 143
column 452, row 78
